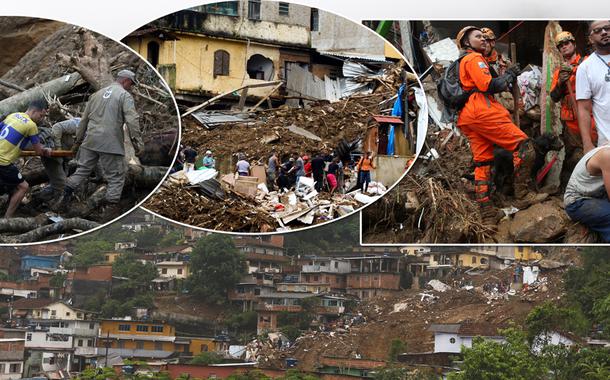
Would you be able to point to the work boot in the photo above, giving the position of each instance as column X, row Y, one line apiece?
column 66, row 200
column 47, row 194
column 523, row 181
column 110, row 210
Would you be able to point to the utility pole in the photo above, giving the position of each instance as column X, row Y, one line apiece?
column 107, row 345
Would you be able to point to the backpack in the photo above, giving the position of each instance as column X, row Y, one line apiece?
column 450, row 90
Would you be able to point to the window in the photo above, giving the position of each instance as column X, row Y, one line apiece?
column 67, row 313
column 158, row 329
column 315, row 278
column 204, row 348
column 336, row 265
column 89, row 342
column 164, row 271
column 228, row 8
column 1, row 369
column 452, row 340
column 124, row 327
column 28, row 337
column 80, row 343
column 221, row 63
column 152, row 55
column 121, row 344
column 314, row 21
column 107, row 257
column 257, row 292
column 53, row 313
column 284, row 9
column 142, row 328
column 180, row 271
column 91, row 326
column 254, row 9
column 79, row 315
column 159, row 346
column 139, row 345
column 474, row 259
column 15, row 368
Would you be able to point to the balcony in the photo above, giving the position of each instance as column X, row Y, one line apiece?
column 278, row 308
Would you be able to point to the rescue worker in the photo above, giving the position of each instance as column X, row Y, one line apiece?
column 496, row 61
column 564, row 75
column 16, row 131
column 564, row 82
column 60, row 136
column 486, row 123
column 100, row 138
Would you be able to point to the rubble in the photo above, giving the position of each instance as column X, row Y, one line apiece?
column 485, row 297
column 340, row 125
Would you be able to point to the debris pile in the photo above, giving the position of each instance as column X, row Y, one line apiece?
column 248, row 205
column 66, row 67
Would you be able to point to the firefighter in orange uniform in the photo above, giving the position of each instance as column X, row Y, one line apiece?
column 497, row 62
column 563, row 78
column 486, row 123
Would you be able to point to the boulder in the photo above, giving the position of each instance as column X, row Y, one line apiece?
column 541, row 223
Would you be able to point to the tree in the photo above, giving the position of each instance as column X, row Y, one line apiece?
column 206, row 358
column 170, row 239
column 58, row 280
column 398, row 373
column 490, row 360
column 89, row 252
column 397, row 347
column 148, row 238
column 216, row 267
column 549, row 317
column 321, row 240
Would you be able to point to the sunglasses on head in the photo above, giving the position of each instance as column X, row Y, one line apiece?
column 605, row 28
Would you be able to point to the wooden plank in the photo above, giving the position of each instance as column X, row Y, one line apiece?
column 259, row 172
column 242, row 99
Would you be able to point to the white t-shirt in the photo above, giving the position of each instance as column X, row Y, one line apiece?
column 591, row 84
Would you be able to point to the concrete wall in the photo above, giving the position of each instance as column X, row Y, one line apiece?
column 193, row 59
column 297, row 14
column 373, row 281
column 443, row 343
column 339, row 34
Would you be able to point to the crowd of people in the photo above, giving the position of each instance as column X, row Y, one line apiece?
column 581, row 85
column 327, row 171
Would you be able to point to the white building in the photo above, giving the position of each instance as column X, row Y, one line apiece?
column 450, row 337
column 173, row 269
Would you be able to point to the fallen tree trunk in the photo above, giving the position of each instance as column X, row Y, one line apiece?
column 22, row 224
column 39, row 233
column 146, row 176
column 58, row 86
column 91, row 63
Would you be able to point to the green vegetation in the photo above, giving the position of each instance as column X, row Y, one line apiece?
column 397, row 373
column 216, row 267
column 98, row 374
column 58, row 280
column 324, row 239
column 587, row 303
column 206, row 358
column 397, row 347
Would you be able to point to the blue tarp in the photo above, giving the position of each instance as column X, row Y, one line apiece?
column 397, row 110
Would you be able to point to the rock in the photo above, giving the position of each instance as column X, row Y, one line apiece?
column 541, row 223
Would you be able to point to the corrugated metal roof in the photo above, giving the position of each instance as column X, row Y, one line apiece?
column 355, row 56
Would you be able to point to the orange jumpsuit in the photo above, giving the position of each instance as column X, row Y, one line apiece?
column 568, row 115
column 485, row 122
